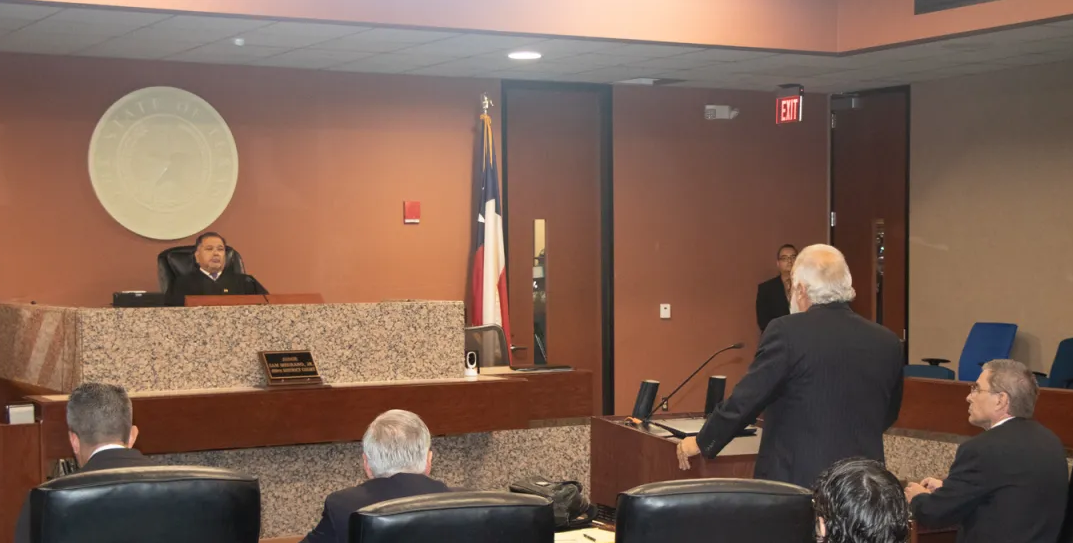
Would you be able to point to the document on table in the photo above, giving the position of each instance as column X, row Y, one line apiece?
column 578, row 536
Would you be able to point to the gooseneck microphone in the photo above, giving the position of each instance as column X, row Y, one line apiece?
column 735, row 346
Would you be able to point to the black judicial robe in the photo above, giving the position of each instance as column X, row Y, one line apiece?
column 197, row 283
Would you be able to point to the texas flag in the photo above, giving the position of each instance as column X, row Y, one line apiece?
column 489, row 261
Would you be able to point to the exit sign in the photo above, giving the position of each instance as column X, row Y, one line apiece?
column 788, row 109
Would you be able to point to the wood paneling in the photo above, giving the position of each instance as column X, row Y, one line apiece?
column 16, row 392
column 20, row 470
column 623, row 457
column 171, row 423
column 936, row 405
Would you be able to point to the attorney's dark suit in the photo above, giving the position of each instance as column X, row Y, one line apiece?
column 1006, row 485
column 335, row 521
column 771, row 302
column 829, row 384
column 196, row 283
column 109, row 459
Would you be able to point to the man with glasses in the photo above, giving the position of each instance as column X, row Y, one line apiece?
column 773, row 295
column 1007, row 484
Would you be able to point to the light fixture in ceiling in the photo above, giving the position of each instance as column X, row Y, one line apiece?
column 524, row 55
column 239, row 42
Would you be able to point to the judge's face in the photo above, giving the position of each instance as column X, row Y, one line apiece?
column 210, row 254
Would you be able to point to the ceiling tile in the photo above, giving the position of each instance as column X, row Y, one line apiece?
column 53, row 25
column 673, row 63
column 289, row 34
column 797, row 71
column 22, row 41
column 368, row 65
column 481, row 65
column 125, row 47
column 226, row 53
column 108, row 17
column 474, row 44
column 1068, row 23
column 563, row 67
column 398, row 35
column 394, row 63
column 616, row 73
column 554, row 49
column 531, row 76
column 312, row 59
column 603, row 60
column 231, row 25
column 716, row 73
column 650, row 51
column 724, row 55
column 1030, row 33
column 25, row 12
column 446, row 71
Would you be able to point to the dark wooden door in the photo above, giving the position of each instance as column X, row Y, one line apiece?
column 869, row 197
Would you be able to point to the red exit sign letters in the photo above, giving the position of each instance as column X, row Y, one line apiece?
column 788, row 109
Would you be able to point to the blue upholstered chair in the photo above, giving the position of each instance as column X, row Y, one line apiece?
column 928, row 371
column 987, row 341
column 1061, row 369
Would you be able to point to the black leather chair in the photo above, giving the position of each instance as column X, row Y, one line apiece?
column 172, row 263
column 160, row 504
column 456, row 517
column 715, row 511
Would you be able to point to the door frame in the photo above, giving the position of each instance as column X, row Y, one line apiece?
column 607, row 211
column 832, row 131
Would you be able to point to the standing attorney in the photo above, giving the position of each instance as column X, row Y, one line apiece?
column 773, row 295
column 828, row 381
column 212, row 276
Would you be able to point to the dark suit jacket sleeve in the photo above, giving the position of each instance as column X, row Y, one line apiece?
column 895, row 406
column 964, row 489
column 762, row 317
column 324, row 532
column 752, row 394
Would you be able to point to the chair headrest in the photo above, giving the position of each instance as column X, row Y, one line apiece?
column 740, row 510
column 471, row 517
column 162, row 504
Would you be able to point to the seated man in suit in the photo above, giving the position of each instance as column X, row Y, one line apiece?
column 859, row 501
column 101, row 430
column 397, row 460
column 828, row 381
column 1007, row 484
column 773, row 295
column 212, row 276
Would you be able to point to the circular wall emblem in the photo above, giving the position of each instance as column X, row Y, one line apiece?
column 163, row 163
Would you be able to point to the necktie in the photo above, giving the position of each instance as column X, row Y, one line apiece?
column 214, row 276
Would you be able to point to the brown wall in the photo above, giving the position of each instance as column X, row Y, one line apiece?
column 700, row 209
column 991, row 233
column 779, row 24
column 326, row 160
column 875, row 23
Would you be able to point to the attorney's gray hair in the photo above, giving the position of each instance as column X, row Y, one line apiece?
column 823, row 271
column 397, row 441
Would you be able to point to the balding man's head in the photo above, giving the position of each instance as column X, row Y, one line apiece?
column 820, row 276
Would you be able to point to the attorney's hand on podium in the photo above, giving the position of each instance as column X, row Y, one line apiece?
column 686, row 448
column 932, row 484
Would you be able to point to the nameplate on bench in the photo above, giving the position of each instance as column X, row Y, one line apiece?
column 290, row 368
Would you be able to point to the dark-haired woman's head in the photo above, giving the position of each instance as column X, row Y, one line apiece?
column 859, row 501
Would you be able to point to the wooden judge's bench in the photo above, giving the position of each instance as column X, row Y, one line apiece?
column 199, row 396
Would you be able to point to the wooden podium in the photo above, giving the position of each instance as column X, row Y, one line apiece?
column 624, row 456
column 253, row 299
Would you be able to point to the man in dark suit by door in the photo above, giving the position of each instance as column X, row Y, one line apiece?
column 828, row 381
column 102, row 434
column 397, row 461
column 211, row 276
column 773, row 295
column 1007, row 484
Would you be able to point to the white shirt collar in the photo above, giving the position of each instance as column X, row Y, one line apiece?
column 1000, row 423
column 209, row 275
column 105, row 448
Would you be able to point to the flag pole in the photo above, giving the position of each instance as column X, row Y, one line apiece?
column 486, row 102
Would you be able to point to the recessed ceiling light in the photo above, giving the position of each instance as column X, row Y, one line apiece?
column 239, row 42
column 524, row 55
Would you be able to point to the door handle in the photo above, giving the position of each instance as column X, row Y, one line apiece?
column 518, row 348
